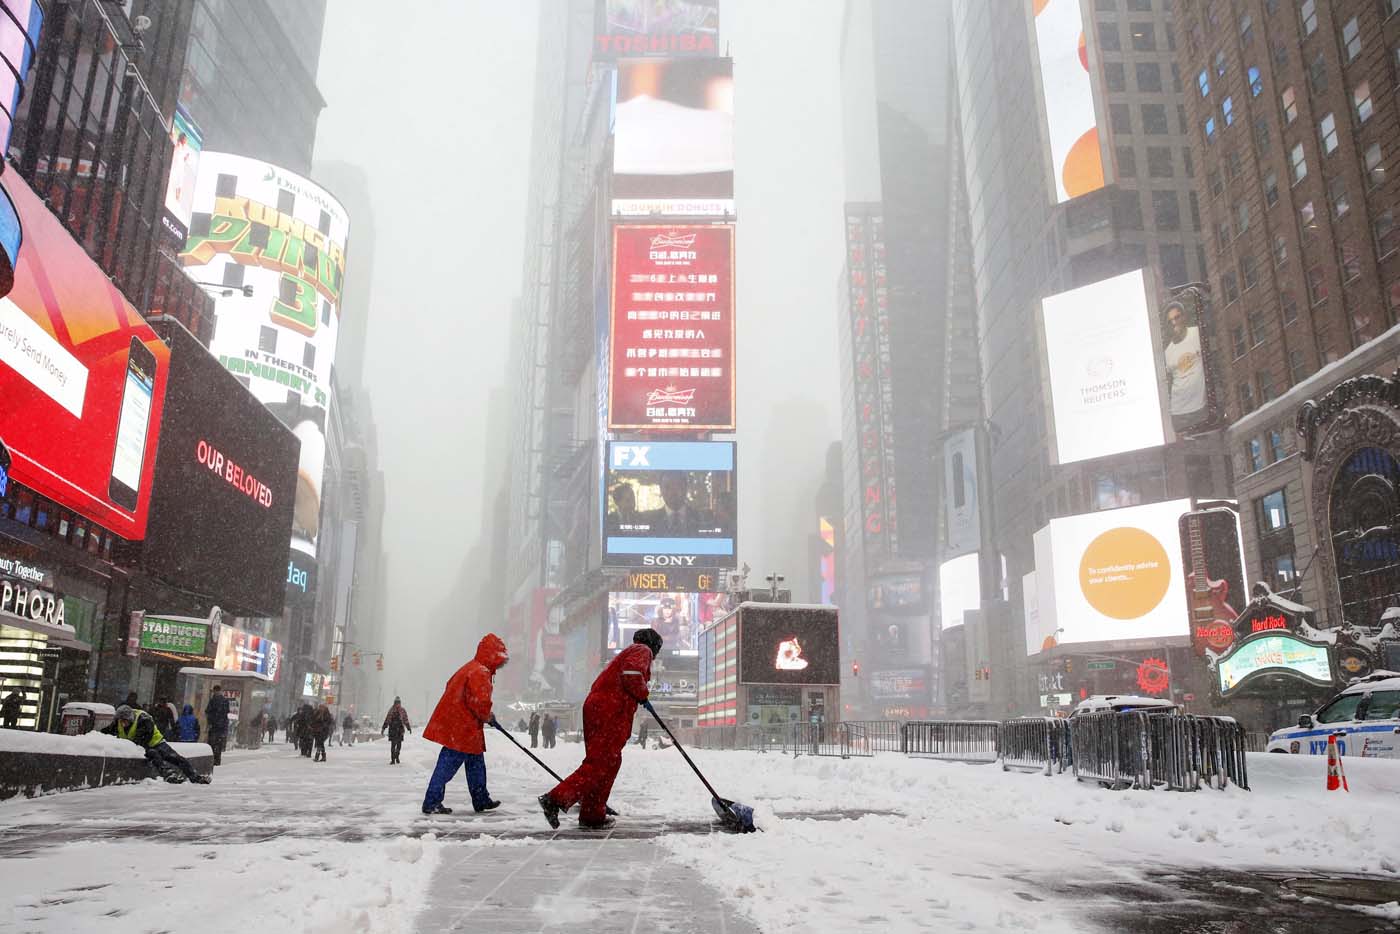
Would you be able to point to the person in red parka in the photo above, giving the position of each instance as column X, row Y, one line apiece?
column 456, row 724
column 607, row 725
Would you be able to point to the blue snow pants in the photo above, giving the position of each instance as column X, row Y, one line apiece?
column 449, row 761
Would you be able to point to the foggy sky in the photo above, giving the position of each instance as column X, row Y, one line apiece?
column 434, row 103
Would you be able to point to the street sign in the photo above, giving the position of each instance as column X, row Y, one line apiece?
column 1101, row 666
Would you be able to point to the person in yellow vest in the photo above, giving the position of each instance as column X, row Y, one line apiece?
column 140, row 727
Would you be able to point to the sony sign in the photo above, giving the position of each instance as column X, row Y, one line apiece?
column 669, row 561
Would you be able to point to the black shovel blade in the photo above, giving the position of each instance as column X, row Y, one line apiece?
column 737, row 818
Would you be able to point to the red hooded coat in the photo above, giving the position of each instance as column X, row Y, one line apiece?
column 466, row 701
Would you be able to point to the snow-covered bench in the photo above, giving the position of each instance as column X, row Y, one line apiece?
column 43, row 763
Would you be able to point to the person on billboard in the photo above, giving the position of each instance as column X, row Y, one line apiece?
column 216, row 722
column 608, row 712
column 140, row 728
column 395, row 721
column 666, row 621
column 456, row 725
column 624, row 511
column 322, row 729
column 677, row 518
column 1186, row 372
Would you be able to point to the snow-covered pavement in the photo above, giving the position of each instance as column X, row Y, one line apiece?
column 341, row 846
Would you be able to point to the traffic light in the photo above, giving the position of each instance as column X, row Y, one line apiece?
column 379, row 663
column 855, row 669
column 1069, row 666
column 356, row 656
column 335, row 663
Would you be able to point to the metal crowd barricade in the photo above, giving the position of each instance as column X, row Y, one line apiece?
column 879, row 735
column 1138, row 750
column 1035, row 744
column 953, row 740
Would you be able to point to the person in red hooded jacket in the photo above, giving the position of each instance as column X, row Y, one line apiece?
column 607, row 725
column 457, row 722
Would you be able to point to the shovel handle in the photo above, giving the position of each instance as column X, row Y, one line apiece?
column 538, row 760
column 688, row 760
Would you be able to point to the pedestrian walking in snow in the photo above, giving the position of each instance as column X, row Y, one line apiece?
column 187, row 728
column 457, row 722
column 547, row 728
column 521, row 726
column 534, row 729
column 322, row 728
column 304, row 734
column 10, row 709
column 140, row 727
column 608, row 712
column 395, row 721
column 216, row 722
column 271, row 726
column 642, row 735
column 347, row 730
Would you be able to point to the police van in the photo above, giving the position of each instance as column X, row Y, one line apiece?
column 1365, row 718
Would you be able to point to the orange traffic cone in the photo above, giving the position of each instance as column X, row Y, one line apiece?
column 1336, row 778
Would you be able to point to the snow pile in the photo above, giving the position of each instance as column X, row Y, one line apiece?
column 977, row 846
column 328, row 887
column 55, row 744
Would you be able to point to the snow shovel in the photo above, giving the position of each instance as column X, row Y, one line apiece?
column 735, row 817
column 538, row 760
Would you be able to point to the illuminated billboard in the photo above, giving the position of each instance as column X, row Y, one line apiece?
column 673, row 142
column 872, row 373
column 224, row 458
column 20, row 24
column 780, row 644
column 1111, row 576
column 826, row 566
column 1067, row 98
column 243, row 651
column 1274, row 653
column 671, row 504
column 1187, row 356
column 184, row 173
column 82, row 378
column 669, row 28
column 280, row 237
column 1104, row 379
column 678, row 617
column 959, row 588
column 1211, row 554
column 672, row 347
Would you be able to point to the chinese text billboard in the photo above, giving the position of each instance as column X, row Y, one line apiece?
column 671, row 504
column 672, row 328
column 673, row 138
column 1104, row 379
column 1067, row 98
column 82, row 378
column 282, row 237
column 668, row 28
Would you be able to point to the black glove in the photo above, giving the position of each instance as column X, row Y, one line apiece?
column 494, row 723
column 650, row 709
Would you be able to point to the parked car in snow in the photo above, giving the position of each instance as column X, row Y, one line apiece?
column 1123, row 703
column 1365, row 716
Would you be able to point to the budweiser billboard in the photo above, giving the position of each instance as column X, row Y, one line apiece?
column 672, row 360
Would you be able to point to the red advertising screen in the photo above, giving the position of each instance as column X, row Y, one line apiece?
column 82, row 378
column 672, row 328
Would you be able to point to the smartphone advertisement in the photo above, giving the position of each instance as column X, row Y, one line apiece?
column 82, row 377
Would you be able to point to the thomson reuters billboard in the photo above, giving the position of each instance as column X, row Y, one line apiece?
column 279, row 241
column 1067, row 98
column 672, row 361
column 1105, row 383
column 1110, row 576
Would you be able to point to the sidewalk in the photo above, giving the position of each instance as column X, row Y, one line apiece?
column 606, row 885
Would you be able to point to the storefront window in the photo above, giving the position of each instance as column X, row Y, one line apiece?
column 1363, row 507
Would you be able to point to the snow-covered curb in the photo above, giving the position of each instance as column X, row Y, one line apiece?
column 55, row 744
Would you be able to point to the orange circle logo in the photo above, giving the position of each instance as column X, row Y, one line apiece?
column 1125, row 573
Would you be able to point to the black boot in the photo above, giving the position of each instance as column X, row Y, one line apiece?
column 550, row 809
column 440, row 809
column 488, row 806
